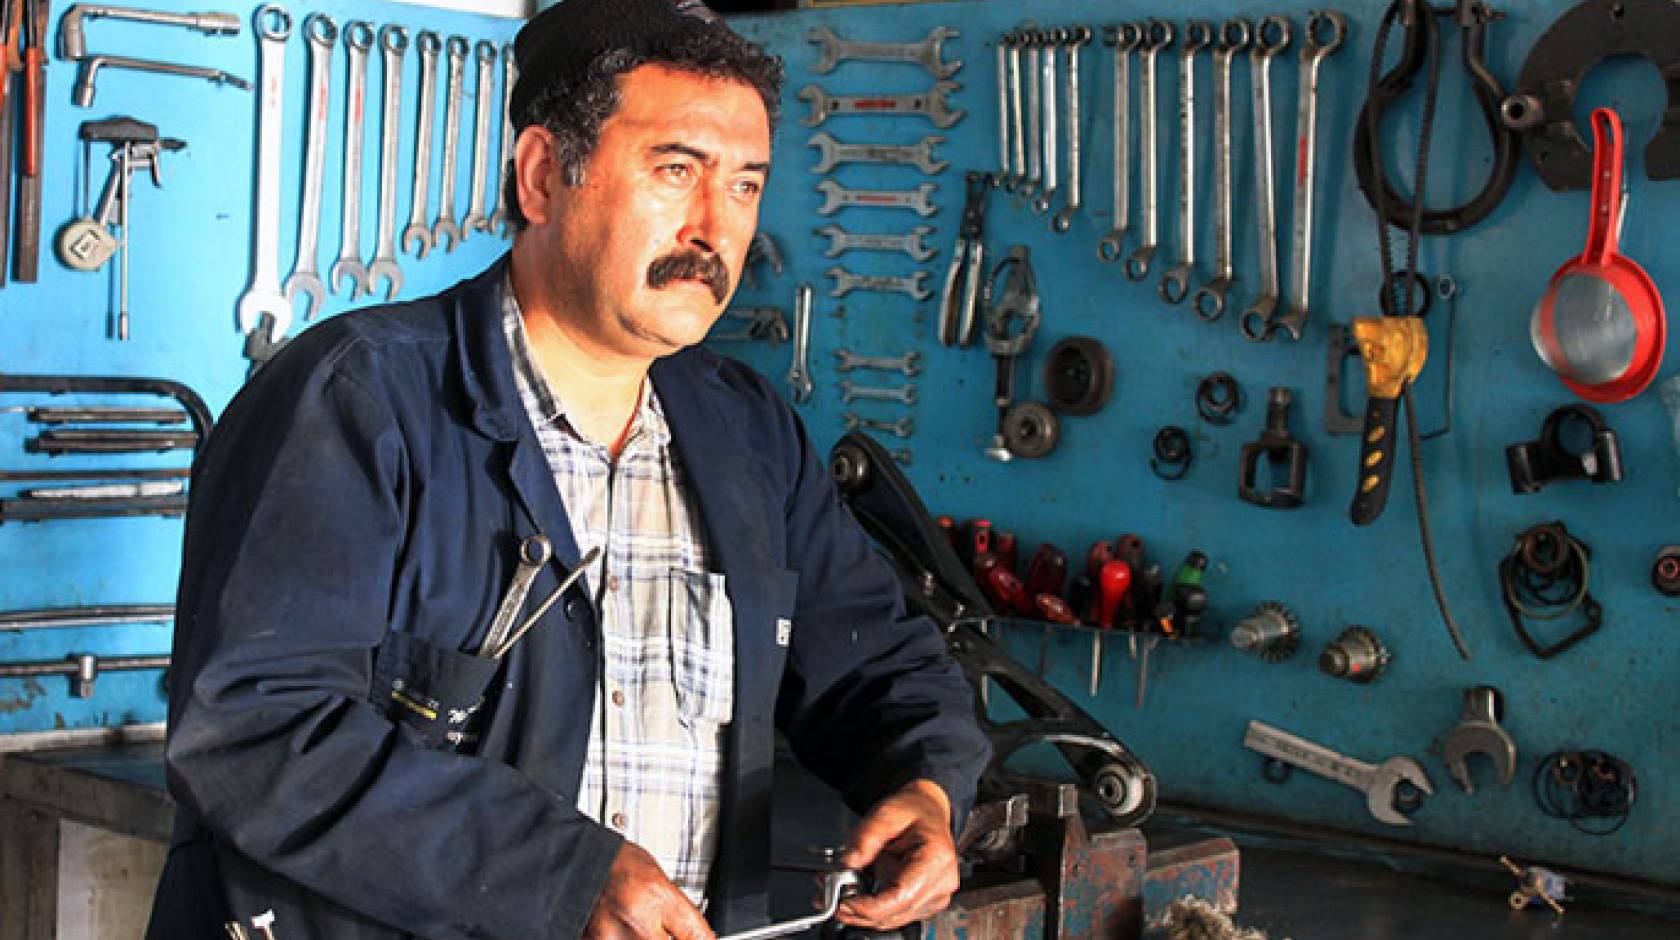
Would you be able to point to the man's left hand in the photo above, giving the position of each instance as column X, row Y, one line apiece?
column 907, row 838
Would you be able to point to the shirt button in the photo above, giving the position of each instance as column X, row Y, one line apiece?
column 612, row 583
column 617, row 697
column 574, row 609
column 618, row 820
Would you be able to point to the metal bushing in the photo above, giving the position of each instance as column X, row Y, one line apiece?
column 1078, row 375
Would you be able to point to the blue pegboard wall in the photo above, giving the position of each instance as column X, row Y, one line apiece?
column 1616, row 691
column 190, row 262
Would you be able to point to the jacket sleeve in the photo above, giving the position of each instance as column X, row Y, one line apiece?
column 871, row 698
column 296, row 524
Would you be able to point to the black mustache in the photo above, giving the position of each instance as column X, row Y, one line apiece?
column 683, row 265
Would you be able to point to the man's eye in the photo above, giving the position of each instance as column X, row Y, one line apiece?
column 677, row 171
column 749, row 187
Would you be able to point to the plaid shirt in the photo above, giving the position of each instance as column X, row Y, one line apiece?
column 654, row 767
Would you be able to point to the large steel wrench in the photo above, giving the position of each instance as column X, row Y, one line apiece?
column 477, row 220
column 322, row 34
column 926, row 53
column 1378, row 782
column 1209, row 301
column 1077, row 36
column 799, row 372
column 358, row 38
column 1016, row 40
column 504, row 153
column 444, row 226
column 1313, row 52
column 262, row 299
column 393, row 41
column 836, row 886
column 416, row 237
column 1271, row 36
column 1031, row 40
column 1124, row 38
column 1175, row 284
column 1048, row 67
column 1157, row 35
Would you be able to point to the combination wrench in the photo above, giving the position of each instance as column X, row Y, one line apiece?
column 1051, row 41
column 1209, row 301
column 322, row 34
column 840, row 240
column 1124, row 38
column 1271, row 36
column 1313, row 53
column 444, row 225
column 918, row 155
column 417, row 237
column 918, row 200
column 799, row 372
column 477, row 219
column 504, row 153
column 1175, row 284
column 1380, row 782
column 1157, row 35
column 904, row 394
column 1032, row 40
column 1016, row 40
column 358, row 38
column 910, row 284
column 1077, row 36
column 393, row 43
column 262, row 300
column 926, row 53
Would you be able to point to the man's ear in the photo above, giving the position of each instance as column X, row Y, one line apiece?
column 537, row 175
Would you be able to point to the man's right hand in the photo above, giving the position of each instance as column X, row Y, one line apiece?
column 640, row 903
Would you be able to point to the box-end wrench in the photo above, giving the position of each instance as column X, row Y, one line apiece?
column 1271, row 37
column 1032, row 40
column 1313, row 52
column 1002, row 110
column 927, row 53
column 504, row 154
column 933, row 104
column 1015, row 40
column 1175, row 284
column 322, row 35
column 358, row 38
column 799, row 371
column 1124, row 38
column 836, row 886
column 393, row 43
column 1378, row 782
column 1048, row 65
column 477, row 220
column 910, row 284
column 1078, row 36
column 417, row 237
column 444, row 225
column 918, row 200
column 905, row 394
column 1157, row 35
column 840, row 240
column 263, row 305
column 1209, row 301
column 919, row 155
column 910, row 364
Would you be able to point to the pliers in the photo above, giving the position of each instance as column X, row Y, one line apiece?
column 959, row 304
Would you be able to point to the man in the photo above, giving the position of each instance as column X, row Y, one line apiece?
column 346, row 746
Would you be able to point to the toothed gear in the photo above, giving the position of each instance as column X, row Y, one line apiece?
column 1276, row 631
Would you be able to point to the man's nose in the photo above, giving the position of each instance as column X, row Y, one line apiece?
column 705, row 227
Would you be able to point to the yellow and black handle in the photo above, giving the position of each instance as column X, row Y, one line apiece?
column 1394, row 350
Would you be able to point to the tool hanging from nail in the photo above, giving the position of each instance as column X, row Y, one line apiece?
column 26, row 263
column 10, row 61
column 72, row 45
column 959, row 305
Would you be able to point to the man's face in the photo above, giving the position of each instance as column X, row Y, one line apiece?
column 649, row 249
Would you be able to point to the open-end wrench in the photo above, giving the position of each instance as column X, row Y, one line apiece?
column 417, row 237
column 1378, row 782
column 1016, row 39
column 918, row 200
column 322, row 35
column 444, row 225
column 1002, row 110
column 905, row 393
column 836, row 886
column 358, row 38
column 393, row 42
column 1175, row 284
column 477, row 219
column 263, row 299
column 1124, row 38
column 1050, row 41
column 903, row 427
column 932, row 104
column 1077, row 36
column 1157, row 35
column 910, row 284
column 919, row 155
column 1209, row 301
column 1271, row 36
column 840, row 240
column 1313, row 52
column 1478, row 732
column 799, row 371
column 926, row 53
column 910, row 363
column 1033, row 40
column 504, row 153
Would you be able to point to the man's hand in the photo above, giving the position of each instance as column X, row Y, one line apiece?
column 640, row 903
column 907, row 837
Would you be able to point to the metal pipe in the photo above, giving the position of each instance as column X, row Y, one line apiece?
column 82, row 669
column 101, row 615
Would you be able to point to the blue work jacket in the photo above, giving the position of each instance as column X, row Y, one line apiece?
column 354, row 521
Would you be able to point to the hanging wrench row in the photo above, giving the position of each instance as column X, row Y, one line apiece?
column 1029, row 162
column 1263, row 40
column 266, row 308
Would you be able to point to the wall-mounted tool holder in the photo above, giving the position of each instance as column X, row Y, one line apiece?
column 1575, row 443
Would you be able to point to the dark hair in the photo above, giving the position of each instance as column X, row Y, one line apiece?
column 574, row 112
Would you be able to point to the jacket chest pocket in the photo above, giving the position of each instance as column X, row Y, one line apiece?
column 701, row 625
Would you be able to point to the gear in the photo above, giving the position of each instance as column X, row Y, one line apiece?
column 1271, row 632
